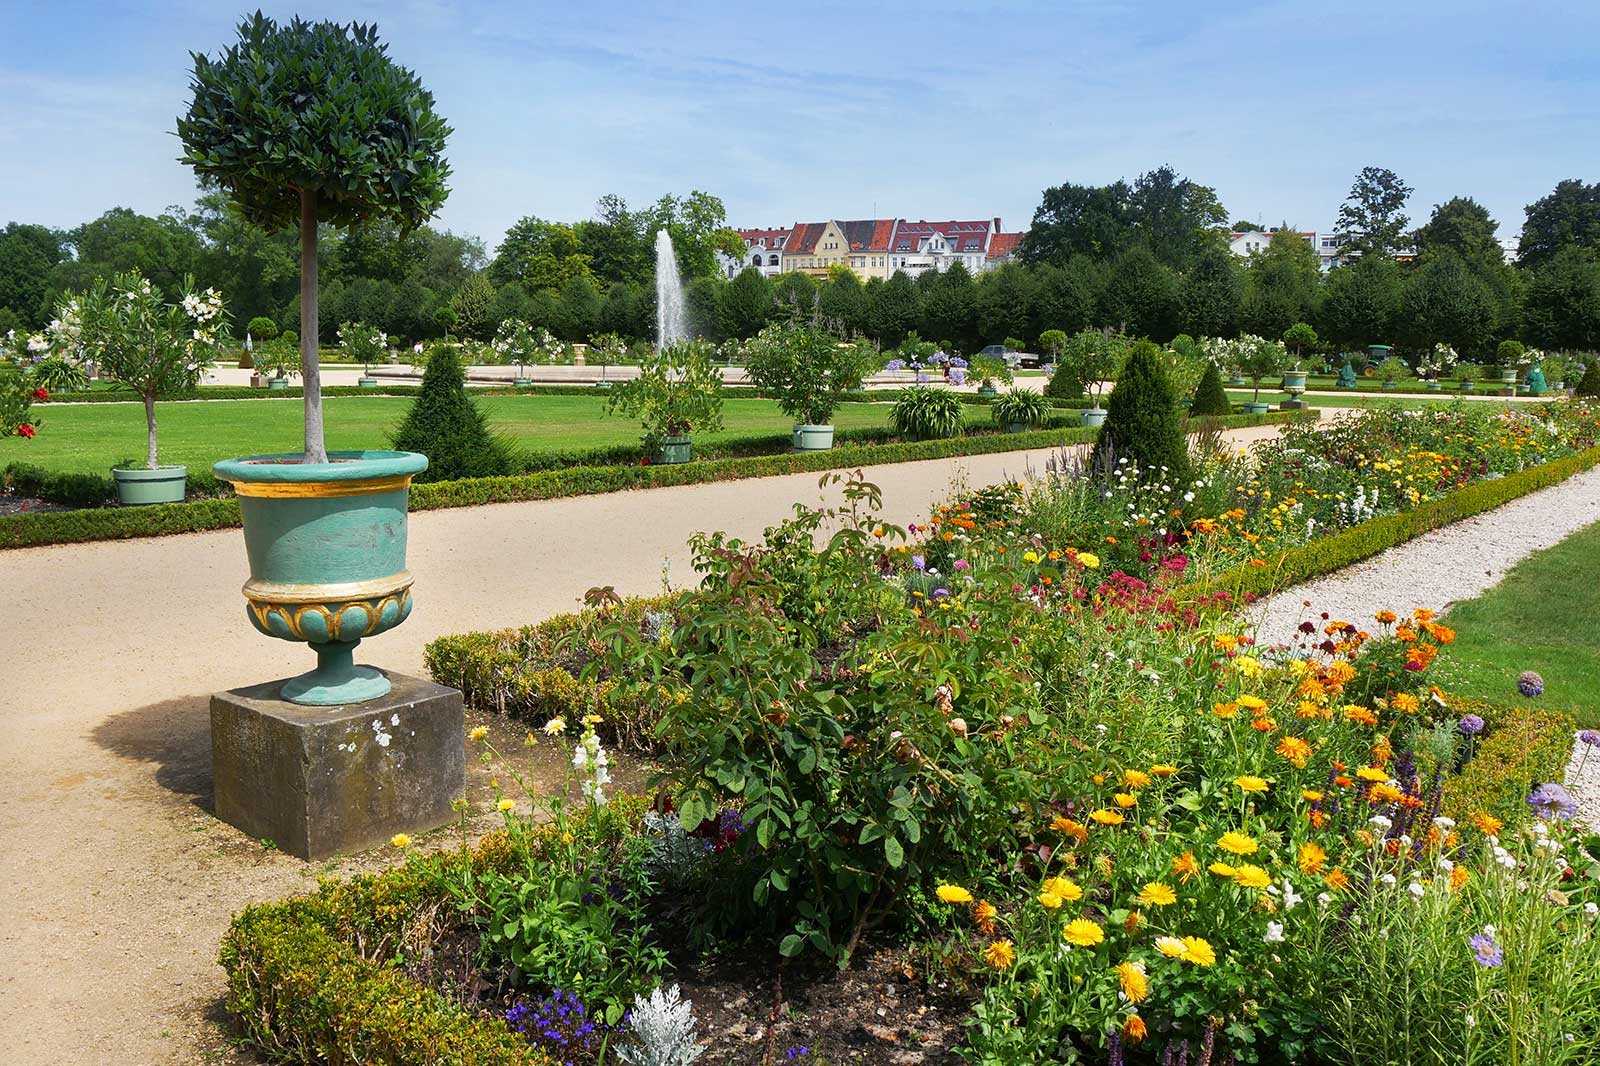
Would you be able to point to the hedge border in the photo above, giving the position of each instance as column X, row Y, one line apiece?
column 119, row 523
column 1335, row 551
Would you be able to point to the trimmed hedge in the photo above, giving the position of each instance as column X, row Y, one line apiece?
column 1325, row 554
column 91, row 490
column 1520, row 749
column 116, row 523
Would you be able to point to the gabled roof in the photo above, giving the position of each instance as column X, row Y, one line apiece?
column 803, row 238
column 867, row 235
column 964, row 236
column 1003, row 244
column 769, row 235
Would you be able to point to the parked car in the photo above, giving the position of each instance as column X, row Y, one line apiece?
column 1012, row 359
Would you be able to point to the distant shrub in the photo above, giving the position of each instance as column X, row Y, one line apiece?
column 445, row 424
column 1210, row 398
column 1143, row 423
column 927, row 414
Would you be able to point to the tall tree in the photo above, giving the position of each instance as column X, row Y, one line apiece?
column 747, row 304
column 1463, row 226
column 1068, row 297
column 1282, row 284
column 1005, row 303
column 843, row 299
column 1562, row 305
column 1446, row 302
column 471, row 303
column 1078, row 220
column 27, row 255
column 1570, row 215
column 1372, row 220
column 1361, row 302
column 577, row 311
column 895, row 309
column 949, row 307
column 1212, row 293
column 539, row 254
column 1141, row 295
column 1175, row 216
column 615, row 241
column 703, row 305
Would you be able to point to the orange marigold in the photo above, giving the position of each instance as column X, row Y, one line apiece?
column 1487, row 824
column 1296, row 749
column 1405, row 703
column 1134, row 1028
column 1313, row 857
column 1337, row 880
column 1459, row 878
column 1186, row 865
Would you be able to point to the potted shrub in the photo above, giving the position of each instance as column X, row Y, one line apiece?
column 1228, row 356
column 1465, row 375
column 926, row 413
column 988, row 370
column 363, row 344
column 808, row 371
column 1020, row 409
column 302, row 124
column 1259, row 360
column 1391, row 370
column 1093, row 357
column 154, row 347
column 1510, row 355
column 515, row 343
column 607, row 349
column 1435, row 363
column 281, row 361
column 1297, row 337
column 675, row 393
column 1052, row 342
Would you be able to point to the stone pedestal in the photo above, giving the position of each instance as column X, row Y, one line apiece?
column 317, row 781
column 1294, row 403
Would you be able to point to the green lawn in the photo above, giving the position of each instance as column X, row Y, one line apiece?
column 1274, row 397
column 1539, row 617
column 91, row 438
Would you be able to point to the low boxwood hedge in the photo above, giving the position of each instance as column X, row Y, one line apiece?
column 1521, row 747
column 116, row 523
column 1334, row 551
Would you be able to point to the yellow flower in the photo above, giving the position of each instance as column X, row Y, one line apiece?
column 1186, row 866
column 1135, row 985
column 1197, row 951
column 1000, row 954
column 1083, row 933
column 1050, row 901
column 1252, row 703
column 1225, row 710
column 1031, row 557
column 1125, row 799
column 555, row 726
column 478, row 732
column 1107, row 817
column 592, row 719
column 1237, row 843
column 983, row 916
column 1251, row 783
column 1251, row 876
column 400, row 840
column 1312, row 857
column 1372, row 773
column 1156, row 894
column 1135, row 778
column 1170, row 946
column 1310, row 796
column 1063, row 887
column 1296, row 750
column 504, row 805
column 1222, row 869
column 1163, row 770
column 1089, row 560
column 954, row 894
column 1247, row 666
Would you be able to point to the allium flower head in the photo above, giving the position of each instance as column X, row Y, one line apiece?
column 1470, row 725
column 1552, row 802
column 1530, row 684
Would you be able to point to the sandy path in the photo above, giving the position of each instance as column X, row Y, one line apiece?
column 115, row 882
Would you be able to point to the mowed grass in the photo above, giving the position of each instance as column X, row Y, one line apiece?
column 91, row 438
column 1540, row 617
column 1274, row 397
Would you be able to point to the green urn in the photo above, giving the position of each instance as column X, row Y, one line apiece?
column 327, row 548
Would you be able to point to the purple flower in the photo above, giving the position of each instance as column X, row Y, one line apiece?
column 1590, row 737
column 1485, row 951
column 1530, row 684
column 799, row 1051
column 1470, row 725
column 958, row 376
column 1552, row 802
column 918, row 563
column 940, row 593
column 956, row 362
column 895, row 364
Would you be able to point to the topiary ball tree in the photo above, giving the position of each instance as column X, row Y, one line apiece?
column 1143, row 423
column 444, row 424
column 1210, row 398
column 262, row 328
column 313, row 122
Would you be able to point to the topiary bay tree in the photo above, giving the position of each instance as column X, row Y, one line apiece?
column 305, row 123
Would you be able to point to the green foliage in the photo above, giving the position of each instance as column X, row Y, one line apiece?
column 318, row 107
column 1372, row 220
column 1509, row 353
column 362, row 343
column 262, row 328
column 926, row 413
column 1300, row 336
column 1210, row 398
column 675, row 393
column 1282, row 283
column 806, row 369
column 1143, row 425
column 445, row 424
column 56, row 375
column 17, row 395
column 1521, row 748
column 1020, row 407
column 747, row 303
column 1589, row 384
column 1361, row 301
column 988, row 369
column 1566, row 219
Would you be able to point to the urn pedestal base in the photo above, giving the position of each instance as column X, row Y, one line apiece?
column 318, row 781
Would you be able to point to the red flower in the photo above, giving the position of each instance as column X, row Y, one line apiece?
column 24, row 430
column 41, row 394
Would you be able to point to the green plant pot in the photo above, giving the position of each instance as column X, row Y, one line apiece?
column 988, row 390
column 812, row 438
column 673, row 450
column 1236, row 379
column 327, row 550
column 1094, row 416
column 1434, row 386
column 602, row 384
column 1254, row 407
column 521, row 383
column 275, row 384
column 1558, row 386
column 1391, row 384
column 140, row 488
column 1016, row 427
column 367, row 382
column 1508, row 377
column 1466, row 386
column 1294, row 379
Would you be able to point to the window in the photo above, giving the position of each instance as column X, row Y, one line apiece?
column 757, row 260
column 773, row 261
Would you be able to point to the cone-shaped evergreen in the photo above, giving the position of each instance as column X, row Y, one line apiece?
column 1209, row 398
column 444, row 424
column 1589, row 384
column 1064, row 384
column 1143, row 423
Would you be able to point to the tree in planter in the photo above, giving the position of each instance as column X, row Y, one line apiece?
column 363, row 344
column 279, row 359
column 1260, row 359
column 1092, row 357
column 1437, row 361
column 1299, row 337
column 608, row 349
column 675, row 393
column 138, row 338
column 1143, row 423
column 313, row 122
column 1210, row 399
column 515, row 343
column 806, row 369
column 445, row 424
column 1052, row 342
column 1392, row 369
column 988, row 370
column 261, row 328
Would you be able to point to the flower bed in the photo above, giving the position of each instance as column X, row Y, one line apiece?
column 1102, row 813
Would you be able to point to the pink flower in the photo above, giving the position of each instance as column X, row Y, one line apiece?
column 962, row 564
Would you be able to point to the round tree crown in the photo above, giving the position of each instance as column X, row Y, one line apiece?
column 317, row 106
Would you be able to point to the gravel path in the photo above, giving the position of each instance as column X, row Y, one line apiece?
column 1455, row 563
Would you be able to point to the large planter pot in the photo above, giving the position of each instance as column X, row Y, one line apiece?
column 1434, row 386
column 327, row 548
column 988, row 390
column 138, row 488
column 521, row 383
column 1236, row 379
column 275, row 384
column 1508, row 377
column 255, row 381
column 1256, row 407
column 367, row 382
column 1558, row 386
column 812, row 438
column 1294, row 379
column 1466, row 386
column 1391, row 384
column 1094, row 416
column 1016, row 427
column 674, row 450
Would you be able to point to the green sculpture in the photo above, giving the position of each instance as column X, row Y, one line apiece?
column 1347, row 376
column 1534, row 382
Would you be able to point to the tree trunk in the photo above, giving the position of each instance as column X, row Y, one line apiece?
column 316, row 451
column 150, row 431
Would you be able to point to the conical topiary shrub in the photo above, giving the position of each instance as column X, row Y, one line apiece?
column 444, row 424
column 1209, row 398
column 1143, row 424
column 1589, row 384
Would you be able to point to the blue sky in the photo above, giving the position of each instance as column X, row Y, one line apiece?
column 809, row 110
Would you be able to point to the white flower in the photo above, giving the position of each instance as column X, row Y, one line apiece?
column 1444, row 823
column 1471, row 1021
column 1324, row 899
column 1388, row 879
column 1591, row 909
column 1291, row 898
column 1274, row 933
column 1416, row 889
column 1381, row 821
column 383, row 740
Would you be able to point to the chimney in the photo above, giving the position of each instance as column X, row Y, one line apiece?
column 997, row 223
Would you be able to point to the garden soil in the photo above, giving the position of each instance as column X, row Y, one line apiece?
column 116, row 882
